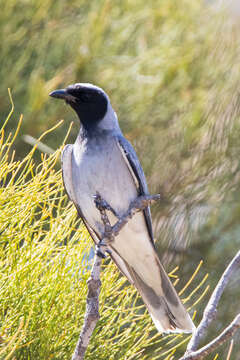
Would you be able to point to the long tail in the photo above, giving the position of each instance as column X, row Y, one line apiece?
column 158, row 294
column 163, row 303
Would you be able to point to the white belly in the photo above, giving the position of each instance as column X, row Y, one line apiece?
column 104, row 172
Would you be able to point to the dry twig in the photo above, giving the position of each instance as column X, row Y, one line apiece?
column 209, row 314
column 227, row 333
column 92, row 310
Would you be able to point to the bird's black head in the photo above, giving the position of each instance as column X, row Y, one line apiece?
column 90, row 102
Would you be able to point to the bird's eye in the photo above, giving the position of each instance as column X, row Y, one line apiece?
column 85, row 97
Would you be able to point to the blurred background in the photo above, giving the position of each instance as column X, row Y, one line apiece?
column 171, row 69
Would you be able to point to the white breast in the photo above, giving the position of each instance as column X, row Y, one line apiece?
column 102, row 169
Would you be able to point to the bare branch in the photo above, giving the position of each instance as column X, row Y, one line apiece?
column 139, row 204
column 209, row 314
column 211, row 308
column 227, row 333
column 92, row 310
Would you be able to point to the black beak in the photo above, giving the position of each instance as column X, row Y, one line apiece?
column 59, row 94
column 62, row 94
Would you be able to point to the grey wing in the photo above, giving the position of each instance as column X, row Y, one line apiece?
column 68, row 185
column 137, row 171
column 66, row 162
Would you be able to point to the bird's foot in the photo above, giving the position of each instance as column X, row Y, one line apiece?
column 100, row 253
column 102, row 248
column 103, row 205
column 107, row 235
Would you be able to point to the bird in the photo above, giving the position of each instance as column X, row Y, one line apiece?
column 103, row 161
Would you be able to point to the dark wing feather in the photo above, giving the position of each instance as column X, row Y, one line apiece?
column 135, row 166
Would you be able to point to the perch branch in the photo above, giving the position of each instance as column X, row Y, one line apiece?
column 211, row 308
column 139, row 204
column 94, row 283
column 92, row 310
column 210, row 313
column 227, row 333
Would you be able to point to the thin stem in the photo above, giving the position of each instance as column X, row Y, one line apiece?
column 211, row 308
column 227, row 333
column 92, row 310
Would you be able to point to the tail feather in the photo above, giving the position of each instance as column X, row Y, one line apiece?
column 163, row 303
column 137, row 259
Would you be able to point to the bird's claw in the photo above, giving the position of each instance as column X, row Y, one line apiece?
column 100, row 254
column 101, row 249
column 102, row 204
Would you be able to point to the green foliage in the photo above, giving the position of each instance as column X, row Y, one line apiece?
column 159, row 46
